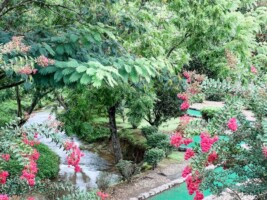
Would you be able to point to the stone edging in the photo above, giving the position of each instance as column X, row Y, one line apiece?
column 159, row 189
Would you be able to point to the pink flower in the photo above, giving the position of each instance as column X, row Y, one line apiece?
column 187, row 170
column 212, row 157
column 31, row 198
column 77, row 168
column 187, row 141
column 184, row 120
column 31, row 182
column 102, row 195
column 253, row 69
column 3, row 177
column 4, row 197
column 232, row 124
column 35, row 155
column 6, row 157
column 44, row 61
column 185, row 105
column 182, row 96
column 187, row 76
column 264, row 151
column 192, row 184
column 199, row 195
column 176, row 139
column 189, row 154
column 206, row 142
column 68, row 145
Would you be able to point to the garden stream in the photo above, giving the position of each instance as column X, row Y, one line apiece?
column 91, row 163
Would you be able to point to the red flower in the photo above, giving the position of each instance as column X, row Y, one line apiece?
column 3, row 177
column 212, row 157
column 187, row 170
column 192, row 184
column 102, row 195
column 4, row 197
column 189, row 154
column 6, row 157
column 185, row 105
column 253, row 69
column 182, row 96
column 176, row 139
column 206, row 142
column 187, row 141
column 264, row 151
column 184, row 120
column 232, row 124
column 199, row 195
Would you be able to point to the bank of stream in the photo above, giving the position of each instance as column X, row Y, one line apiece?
column 92, row 164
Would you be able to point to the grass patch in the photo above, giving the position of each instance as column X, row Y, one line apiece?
column 176, row 155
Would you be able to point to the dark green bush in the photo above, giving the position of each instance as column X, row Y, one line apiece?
column 48, row 164
column 154, row 156
column 127, row 169
column 209, row 112
column 161, row 141
column 149, row 130
column 156, row 139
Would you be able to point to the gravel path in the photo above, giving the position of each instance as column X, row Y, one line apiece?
column 165, row 173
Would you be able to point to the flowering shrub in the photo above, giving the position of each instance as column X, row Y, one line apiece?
column 20, row 143
column 234, row 147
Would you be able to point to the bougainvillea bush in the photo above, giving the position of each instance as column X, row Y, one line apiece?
column 232, row 152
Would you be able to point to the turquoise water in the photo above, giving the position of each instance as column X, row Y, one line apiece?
column 177, row 193
column 194, row 113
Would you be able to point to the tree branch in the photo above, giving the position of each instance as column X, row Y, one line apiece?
column 175, row 46
column 11, row 85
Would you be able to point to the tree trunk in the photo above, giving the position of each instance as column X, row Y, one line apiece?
column 19, row 113
column 114, row 134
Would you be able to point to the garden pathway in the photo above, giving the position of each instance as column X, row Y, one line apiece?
column 166, row 172
column 219, row 104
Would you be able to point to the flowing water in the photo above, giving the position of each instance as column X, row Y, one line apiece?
column 91, row 163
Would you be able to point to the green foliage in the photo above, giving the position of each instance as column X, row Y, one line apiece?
column 149, row 130
column 103, row 180
column 154, row 156
column 161, row 141
column 166, row 87
column 48, row 163
column 127, row 169
column 209, row 112
column 81, row 196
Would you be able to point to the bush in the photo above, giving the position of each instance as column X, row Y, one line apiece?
column 103, row 180
column 209, row 112
column 149, row 130
column 161, row 141
column 198, row 98
column 127, row 169
column 154, row 156
column 48, row 164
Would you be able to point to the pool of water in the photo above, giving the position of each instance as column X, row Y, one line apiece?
column 176, row 193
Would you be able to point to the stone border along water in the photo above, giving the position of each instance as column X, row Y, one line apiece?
column 159, row 189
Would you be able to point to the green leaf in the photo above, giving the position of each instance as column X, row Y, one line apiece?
column 60, row 49
column 67, row 71
column 91, row 71
column 58, row 76
column 86, row 79
column 81, row 69
column 75, row 77
column 73, row 37
column 49, row 49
